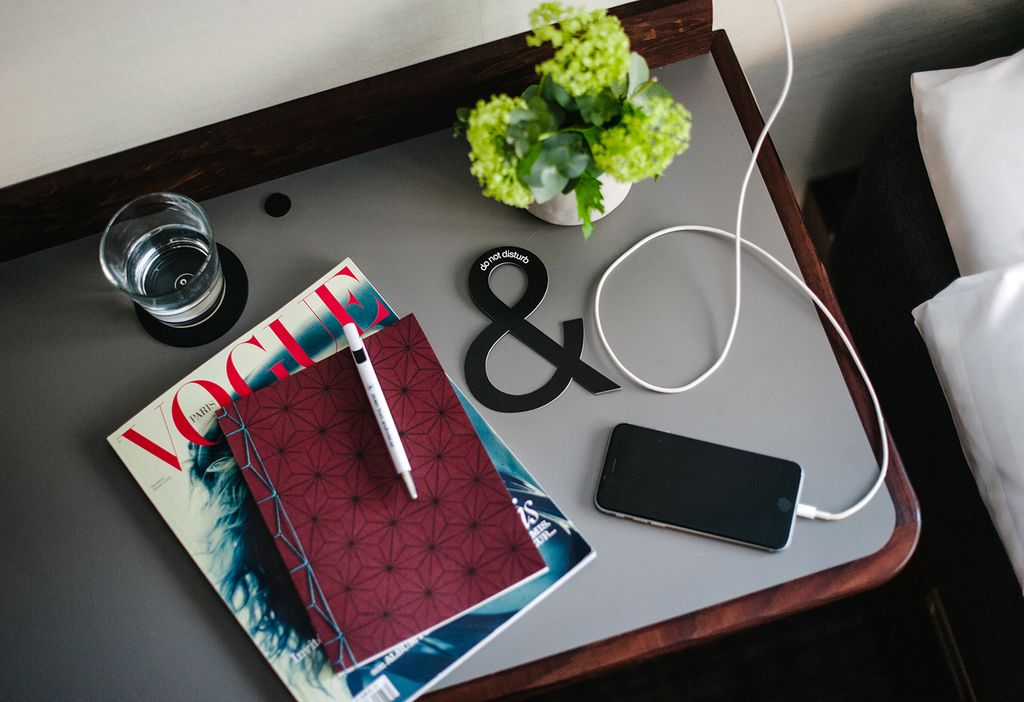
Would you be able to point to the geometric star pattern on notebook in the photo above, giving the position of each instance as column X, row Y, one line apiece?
column 374, row 567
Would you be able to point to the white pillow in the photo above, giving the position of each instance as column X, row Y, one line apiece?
column 974, row 330
column 970, row 122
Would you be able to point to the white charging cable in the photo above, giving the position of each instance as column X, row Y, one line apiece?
column 803, row 510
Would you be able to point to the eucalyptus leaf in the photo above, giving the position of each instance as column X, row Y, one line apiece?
column 557, row 114
column 518, row 116
column 528, row 126
column 461, row 121
column 583, row 103
column 525, row 167
column 599, row 109
column 546, row 182
column 566, row 151
column 549, row 166
column 542, row 113
column 523, row 132
column 638, row 72
column 592, row 135
column 647, row 91
column 553, row 92
column 553, row 183
column 620, row 88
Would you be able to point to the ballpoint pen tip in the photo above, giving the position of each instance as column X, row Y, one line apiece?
column 407, row 478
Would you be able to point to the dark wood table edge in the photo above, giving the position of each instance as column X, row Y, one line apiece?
column 766, row 605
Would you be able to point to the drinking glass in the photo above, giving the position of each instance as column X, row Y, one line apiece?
column 159, row 249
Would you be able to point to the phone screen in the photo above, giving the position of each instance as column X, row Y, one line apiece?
column 695, row 485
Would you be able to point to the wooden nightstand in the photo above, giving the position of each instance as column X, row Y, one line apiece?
column 417, row 251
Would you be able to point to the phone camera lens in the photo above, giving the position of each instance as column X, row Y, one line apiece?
column 784, row 504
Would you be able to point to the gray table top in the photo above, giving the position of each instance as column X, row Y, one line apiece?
column 100, row 600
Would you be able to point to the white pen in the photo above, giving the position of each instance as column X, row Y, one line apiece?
column 381, row 411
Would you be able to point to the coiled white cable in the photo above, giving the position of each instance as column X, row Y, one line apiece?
column 805, row 511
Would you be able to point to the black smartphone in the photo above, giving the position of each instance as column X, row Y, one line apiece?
column 674, row 481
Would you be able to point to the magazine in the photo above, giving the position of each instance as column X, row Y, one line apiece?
column 176, row 452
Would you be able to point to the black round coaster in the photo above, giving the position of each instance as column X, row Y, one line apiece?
column 236, row 293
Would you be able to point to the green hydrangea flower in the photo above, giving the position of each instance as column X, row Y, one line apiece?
column 592, row 48
column 491, row 159
column 644, row 143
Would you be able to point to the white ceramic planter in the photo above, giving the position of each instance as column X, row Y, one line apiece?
column 562, row 208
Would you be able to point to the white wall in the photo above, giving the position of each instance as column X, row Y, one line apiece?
column 83, row 79
column 80, row 80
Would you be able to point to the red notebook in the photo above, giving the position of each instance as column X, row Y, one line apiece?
column 373, row 566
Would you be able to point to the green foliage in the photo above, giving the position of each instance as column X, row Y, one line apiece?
column 554, row 93
column 595, row 110
column 552, row 163
column 588, row 199
column 649, row 91
column 490, row 160
column 644, row 142
column 599, row 109
column 529, row 125
column 461, row 120
column 639, row 74
column 591, row 48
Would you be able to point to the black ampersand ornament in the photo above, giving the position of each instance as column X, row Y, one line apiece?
column 566, row 358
